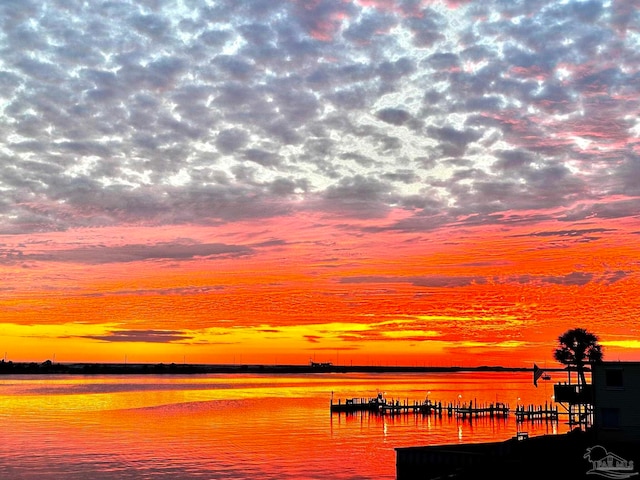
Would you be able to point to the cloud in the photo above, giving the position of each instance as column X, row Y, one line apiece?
column 573, row 278
column 143, row 336
column 394, row 116
column 567, row 233
column 434, row 281
column 451, row 281
column 369, row 129
column 116, row 107
column 126, row 253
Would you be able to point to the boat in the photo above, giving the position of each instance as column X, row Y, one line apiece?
column 379, row 399
column 546, row 376
column 359, row 404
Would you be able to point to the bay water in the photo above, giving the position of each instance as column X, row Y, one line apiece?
column 239, row 426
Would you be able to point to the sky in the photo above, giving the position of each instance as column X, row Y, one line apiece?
column 372, row 182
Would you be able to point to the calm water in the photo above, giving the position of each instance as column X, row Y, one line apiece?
column 236, row 426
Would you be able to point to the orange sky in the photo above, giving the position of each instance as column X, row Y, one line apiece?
column 460, row 296
column 424, row 183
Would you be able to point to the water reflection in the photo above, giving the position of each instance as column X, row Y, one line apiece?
column 215, row 426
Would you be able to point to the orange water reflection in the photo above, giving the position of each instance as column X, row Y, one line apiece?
column 214, row 426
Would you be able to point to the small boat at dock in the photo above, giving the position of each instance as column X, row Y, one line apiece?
column 374, row 404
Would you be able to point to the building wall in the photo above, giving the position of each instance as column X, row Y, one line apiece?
column 616, row 387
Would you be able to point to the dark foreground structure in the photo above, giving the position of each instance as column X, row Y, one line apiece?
column 604, row 444
column 575, row 455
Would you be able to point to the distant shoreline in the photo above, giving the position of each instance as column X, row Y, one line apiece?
column 48, row 368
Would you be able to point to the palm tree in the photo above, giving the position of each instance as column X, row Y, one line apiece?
column 577, row 348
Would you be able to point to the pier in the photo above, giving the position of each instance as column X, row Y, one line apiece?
column 450, row 410
column 426, row 408
column 491, row 410
column 381, row 406
column 353, row 405
column 540, row 413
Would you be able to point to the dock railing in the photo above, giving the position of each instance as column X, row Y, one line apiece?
column 464, row 411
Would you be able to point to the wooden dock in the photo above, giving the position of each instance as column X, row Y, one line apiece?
column 352, row 405
column 450, row 410
column 492, row 410
column 381, row 406
column 424, row 408
column 540, row 413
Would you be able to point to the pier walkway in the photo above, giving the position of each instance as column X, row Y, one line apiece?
column 381, row 406
column 546, row 412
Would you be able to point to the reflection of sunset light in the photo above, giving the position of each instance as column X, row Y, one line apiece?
column 106, row 415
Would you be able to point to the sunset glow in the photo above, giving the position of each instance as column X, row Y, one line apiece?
column 363, row 182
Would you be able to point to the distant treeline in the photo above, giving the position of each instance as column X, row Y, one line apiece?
column 49, row 367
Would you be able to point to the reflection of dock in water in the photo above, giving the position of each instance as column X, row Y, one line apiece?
column 540, row 413
column 382, row 406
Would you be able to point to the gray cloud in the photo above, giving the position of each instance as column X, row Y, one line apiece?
column 573, row 278
column 145, row 336
column 123, row 112
column 125, row 253
column 567, row 233
column 443, row 281
column 432, row 281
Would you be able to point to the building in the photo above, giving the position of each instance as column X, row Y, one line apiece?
column 576, row 398
column 616, row 401
column 605, row 442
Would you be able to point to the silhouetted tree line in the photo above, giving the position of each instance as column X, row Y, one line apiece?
column 31, row 367
column 49, row 367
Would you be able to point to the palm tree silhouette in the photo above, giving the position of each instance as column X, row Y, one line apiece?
column 577, row 348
